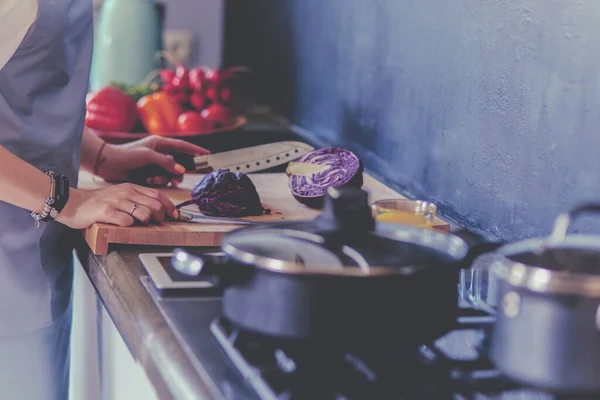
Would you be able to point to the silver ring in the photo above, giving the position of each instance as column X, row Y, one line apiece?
column 133, row 209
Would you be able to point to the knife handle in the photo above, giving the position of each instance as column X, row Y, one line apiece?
column 139, row 175
column 187, row 160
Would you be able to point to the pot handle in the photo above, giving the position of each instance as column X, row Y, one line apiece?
column 478, row 285
column 221, row 267
column 477, row 282
column 562, row 222
column 477, row 244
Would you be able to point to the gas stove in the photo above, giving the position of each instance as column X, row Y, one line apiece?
column 250, row 366
column 453, row 367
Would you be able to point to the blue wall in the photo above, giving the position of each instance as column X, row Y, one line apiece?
column 491, row 108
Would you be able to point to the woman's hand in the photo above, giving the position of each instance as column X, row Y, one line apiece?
column 115, row 205
column 118, row 160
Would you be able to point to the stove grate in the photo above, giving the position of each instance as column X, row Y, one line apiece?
column 279, row 369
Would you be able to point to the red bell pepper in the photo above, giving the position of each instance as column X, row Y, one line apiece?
column 159, row 112
column 111, row 109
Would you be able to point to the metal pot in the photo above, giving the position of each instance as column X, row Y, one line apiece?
column 340, row 277
column 547, row 332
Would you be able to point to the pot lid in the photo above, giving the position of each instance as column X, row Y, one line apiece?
column 560, row 263
column 343, row 240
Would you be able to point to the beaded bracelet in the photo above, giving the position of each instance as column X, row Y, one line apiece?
column 54, row 202
column 48, row 211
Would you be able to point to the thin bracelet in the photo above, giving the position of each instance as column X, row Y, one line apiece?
column 97, row 164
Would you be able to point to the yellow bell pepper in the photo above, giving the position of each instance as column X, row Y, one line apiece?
column 159, row 112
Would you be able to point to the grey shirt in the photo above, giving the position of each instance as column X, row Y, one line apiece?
column 42, row 111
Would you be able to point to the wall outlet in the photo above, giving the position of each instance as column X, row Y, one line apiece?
column 178, row 43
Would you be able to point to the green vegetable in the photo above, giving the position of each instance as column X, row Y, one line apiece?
column 137, row 91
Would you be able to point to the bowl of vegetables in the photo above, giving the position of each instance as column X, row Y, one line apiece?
column 177, row 103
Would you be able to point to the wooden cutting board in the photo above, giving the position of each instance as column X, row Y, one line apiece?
column 272, row 188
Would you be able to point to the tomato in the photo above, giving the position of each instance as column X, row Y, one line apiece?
column 217, row 77
column 181, row 96
column 197, row 79
column 219, row 94
column 214, row 77
column 191, row 122
column 181, row 80
column 167, row 75
column 197, row 101
column 217, row 116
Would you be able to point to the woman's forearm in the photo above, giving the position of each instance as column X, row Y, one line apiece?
column 25, row 186
column 21, row 184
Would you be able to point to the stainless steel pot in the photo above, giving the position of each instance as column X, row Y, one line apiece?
column 547, row 332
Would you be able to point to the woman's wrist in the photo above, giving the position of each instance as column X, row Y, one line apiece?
column 69, row 211
column 103, row 166
column 56, row 198
column 46, row 189
column 91, row 148
column 99, row 159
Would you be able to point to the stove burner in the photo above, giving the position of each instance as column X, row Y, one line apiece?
column 279, row 369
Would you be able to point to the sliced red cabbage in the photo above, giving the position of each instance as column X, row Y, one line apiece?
column 314, row 173
column 226, row 194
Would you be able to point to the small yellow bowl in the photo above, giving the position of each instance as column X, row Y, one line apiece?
column 417, row 213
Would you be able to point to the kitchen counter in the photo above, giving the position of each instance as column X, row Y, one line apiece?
column 190, row 368
column 116, row 279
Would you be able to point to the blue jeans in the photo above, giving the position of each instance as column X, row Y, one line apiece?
column 35, row 366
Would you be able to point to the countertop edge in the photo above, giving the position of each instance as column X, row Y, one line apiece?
column 145, row 330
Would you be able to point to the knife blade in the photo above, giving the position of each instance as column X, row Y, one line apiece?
column 247, row 160
column 251, row 159
column 189, row 216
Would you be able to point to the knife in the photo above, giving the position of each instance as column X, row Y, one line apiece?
column 189, row 216
column 249, row 159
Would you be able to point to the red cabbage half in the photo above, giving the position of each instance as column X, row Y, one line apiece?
column 314, row 173
column 226, row 194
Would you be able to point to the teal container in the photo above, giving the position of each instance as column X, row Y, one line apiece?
column 127, row 42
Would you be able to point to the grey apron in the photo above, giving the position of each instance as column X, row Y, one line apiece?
column 42, row 111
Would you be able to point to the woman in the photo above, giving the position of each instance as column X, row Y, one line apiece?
column 45, row 56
